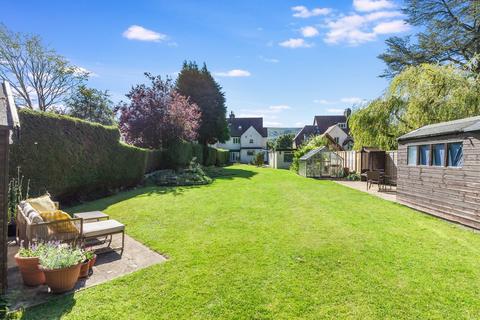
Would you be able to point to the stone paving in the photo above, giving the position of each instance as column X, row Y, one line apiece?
column 109, row 265
column 390, row 194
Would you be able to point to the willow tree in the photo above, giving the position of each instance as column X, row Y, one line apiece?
column 418, row 96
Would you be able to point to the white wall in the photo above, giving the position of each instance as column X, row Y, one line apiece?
column 252, row 134
column 229, row 145
column 275, row 159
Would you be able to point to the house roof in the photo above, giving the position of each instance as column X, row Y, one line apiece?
column 324, row 122
column 311, row 153
column 238, row 126
column 308, row 130
column 471, row 124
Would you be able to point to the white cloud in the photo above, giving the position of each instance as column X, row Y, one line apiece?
column 82, row 70
column 321, row 101
column 395, row 26
column 352, row 100
column 336, row 111
column 279, row 107
column 140, row 33
column 309, row 32
column 269, row 60
column 372, row 5
column 355, row 28
column 235, row 73
column 304, row 12
column 295, row 43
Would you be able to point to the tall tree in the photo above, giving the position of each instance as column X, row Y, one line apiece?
column 418, row 96
column 203, row 90
column 157, row 116
column 450, row 33
column 37, row 74
column 90, row 104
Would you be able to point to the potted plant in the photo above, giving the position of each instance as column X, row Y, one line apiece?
column 61, row 265
column 88, row 257
column 27, row 260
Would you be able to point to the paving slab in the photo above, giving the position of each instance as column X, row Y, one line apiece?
column 390, row 194
column 109, row 265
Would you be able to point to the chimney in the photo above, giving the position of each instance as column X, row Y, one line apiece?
column 347, row 113
column 232, row 115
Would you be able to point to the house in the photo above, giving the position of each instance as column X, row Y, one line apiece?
column 247, row 138
column 336, row 127
column 439, row 170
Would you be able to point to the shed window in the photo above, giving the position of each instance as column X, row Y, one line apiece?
column 412, row 155
column 424, row 155
column 455, row 154
column 438, row 154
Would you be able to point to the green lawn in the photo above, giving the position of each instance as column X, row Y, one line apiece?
column 267, row 244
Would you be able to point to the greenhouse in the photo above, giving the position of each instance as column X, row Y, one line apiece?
column 320, row 163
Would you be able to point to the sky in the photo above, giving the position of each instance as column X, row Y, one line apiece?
column 285, row 61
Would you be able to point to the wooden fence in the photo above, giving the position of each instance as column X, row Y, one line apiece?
column 352, row 161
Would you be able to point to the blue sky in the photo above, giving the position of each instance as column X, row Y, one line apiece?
column 284, row 60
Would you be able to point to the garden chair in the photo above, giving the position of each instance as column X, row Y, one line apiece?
column 373, row 177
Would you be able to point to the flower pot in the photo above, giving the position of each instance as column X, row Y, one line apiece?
column 92, row 261
column 32, row 275
column 61, row 280
column 85, row 267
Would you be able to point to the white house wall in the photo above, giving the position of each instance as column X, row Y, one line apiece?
column 336, row 132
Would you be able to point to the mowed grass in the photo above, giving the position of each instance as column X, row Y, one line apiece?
column 267, row 244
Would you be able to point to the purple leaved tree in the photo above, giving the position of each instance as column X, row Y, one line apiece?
column 157, row 116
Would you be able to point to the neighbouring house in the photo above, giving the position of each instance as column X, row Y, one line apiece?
column 439, row 170
column 280, row 158
column 247, row 138
column 333, row 127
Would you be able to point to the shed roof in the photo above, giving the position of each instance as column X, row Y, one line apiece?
column 311, row 153
column 457, row 126
column 8, row 111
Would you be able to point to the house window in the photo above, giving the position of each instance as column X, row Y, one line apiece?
column 412, row 155
column 251, row 140
column 342, row 125
column 438, row 154
column 236, row 140
column 336, row 139
column 424, row 155
column 250, row 153
column 455, row 154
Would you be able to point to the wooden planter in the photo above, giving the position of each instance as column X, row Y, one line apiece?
column 61, row 280
column 32, row 275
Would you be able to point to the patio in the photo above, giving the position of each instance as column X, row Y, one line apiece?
column 109, row 265
column 389, row 194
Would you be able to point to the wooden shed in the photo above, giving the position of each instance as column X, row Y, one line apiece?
column 8, row 123
column 439, row 170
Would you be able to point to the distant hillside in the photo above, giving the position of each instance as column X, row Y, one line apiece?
column 275, row 132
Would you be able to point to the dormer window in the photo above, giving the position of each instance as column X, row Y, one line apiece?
column 239, row 127
column 236, row 140
column 342, row 125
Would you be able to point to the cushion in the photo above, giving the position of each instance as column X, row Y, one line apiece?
column 28, row 210
column 42, row 204
column 35, row 217
column 102, row 228
column 58, row 215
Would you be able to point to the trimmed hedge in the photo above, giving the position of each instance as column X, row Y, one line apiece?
column 75, row 159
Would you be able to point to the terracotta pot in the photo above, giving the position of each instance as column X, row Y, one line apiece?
column 85, row 267
column 92, row 261
column 61, row 280
column 32, row 275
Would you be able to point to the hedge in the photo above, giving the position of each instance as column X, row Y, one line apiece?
column 223, row 157
column 75, row 159
column 72, row 158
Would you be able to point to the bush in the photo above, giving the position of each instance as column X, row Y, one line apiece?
column 223, row 157
column 193, row 175
column 259, row 159
column 75, row 159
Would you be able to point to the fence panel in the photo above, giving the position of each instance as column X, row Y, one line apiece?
column 391, row 165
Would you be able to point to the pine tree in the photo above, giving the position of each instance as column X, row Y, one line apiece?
column 206, row 93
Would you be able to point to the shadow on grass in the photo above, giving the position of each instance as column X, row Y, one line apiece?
column 57, row 308
column 226, row 173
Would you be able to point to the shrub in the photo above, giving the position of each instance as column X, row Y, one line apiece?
column 259, row 159
column 75, row 159
column 60, row 256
